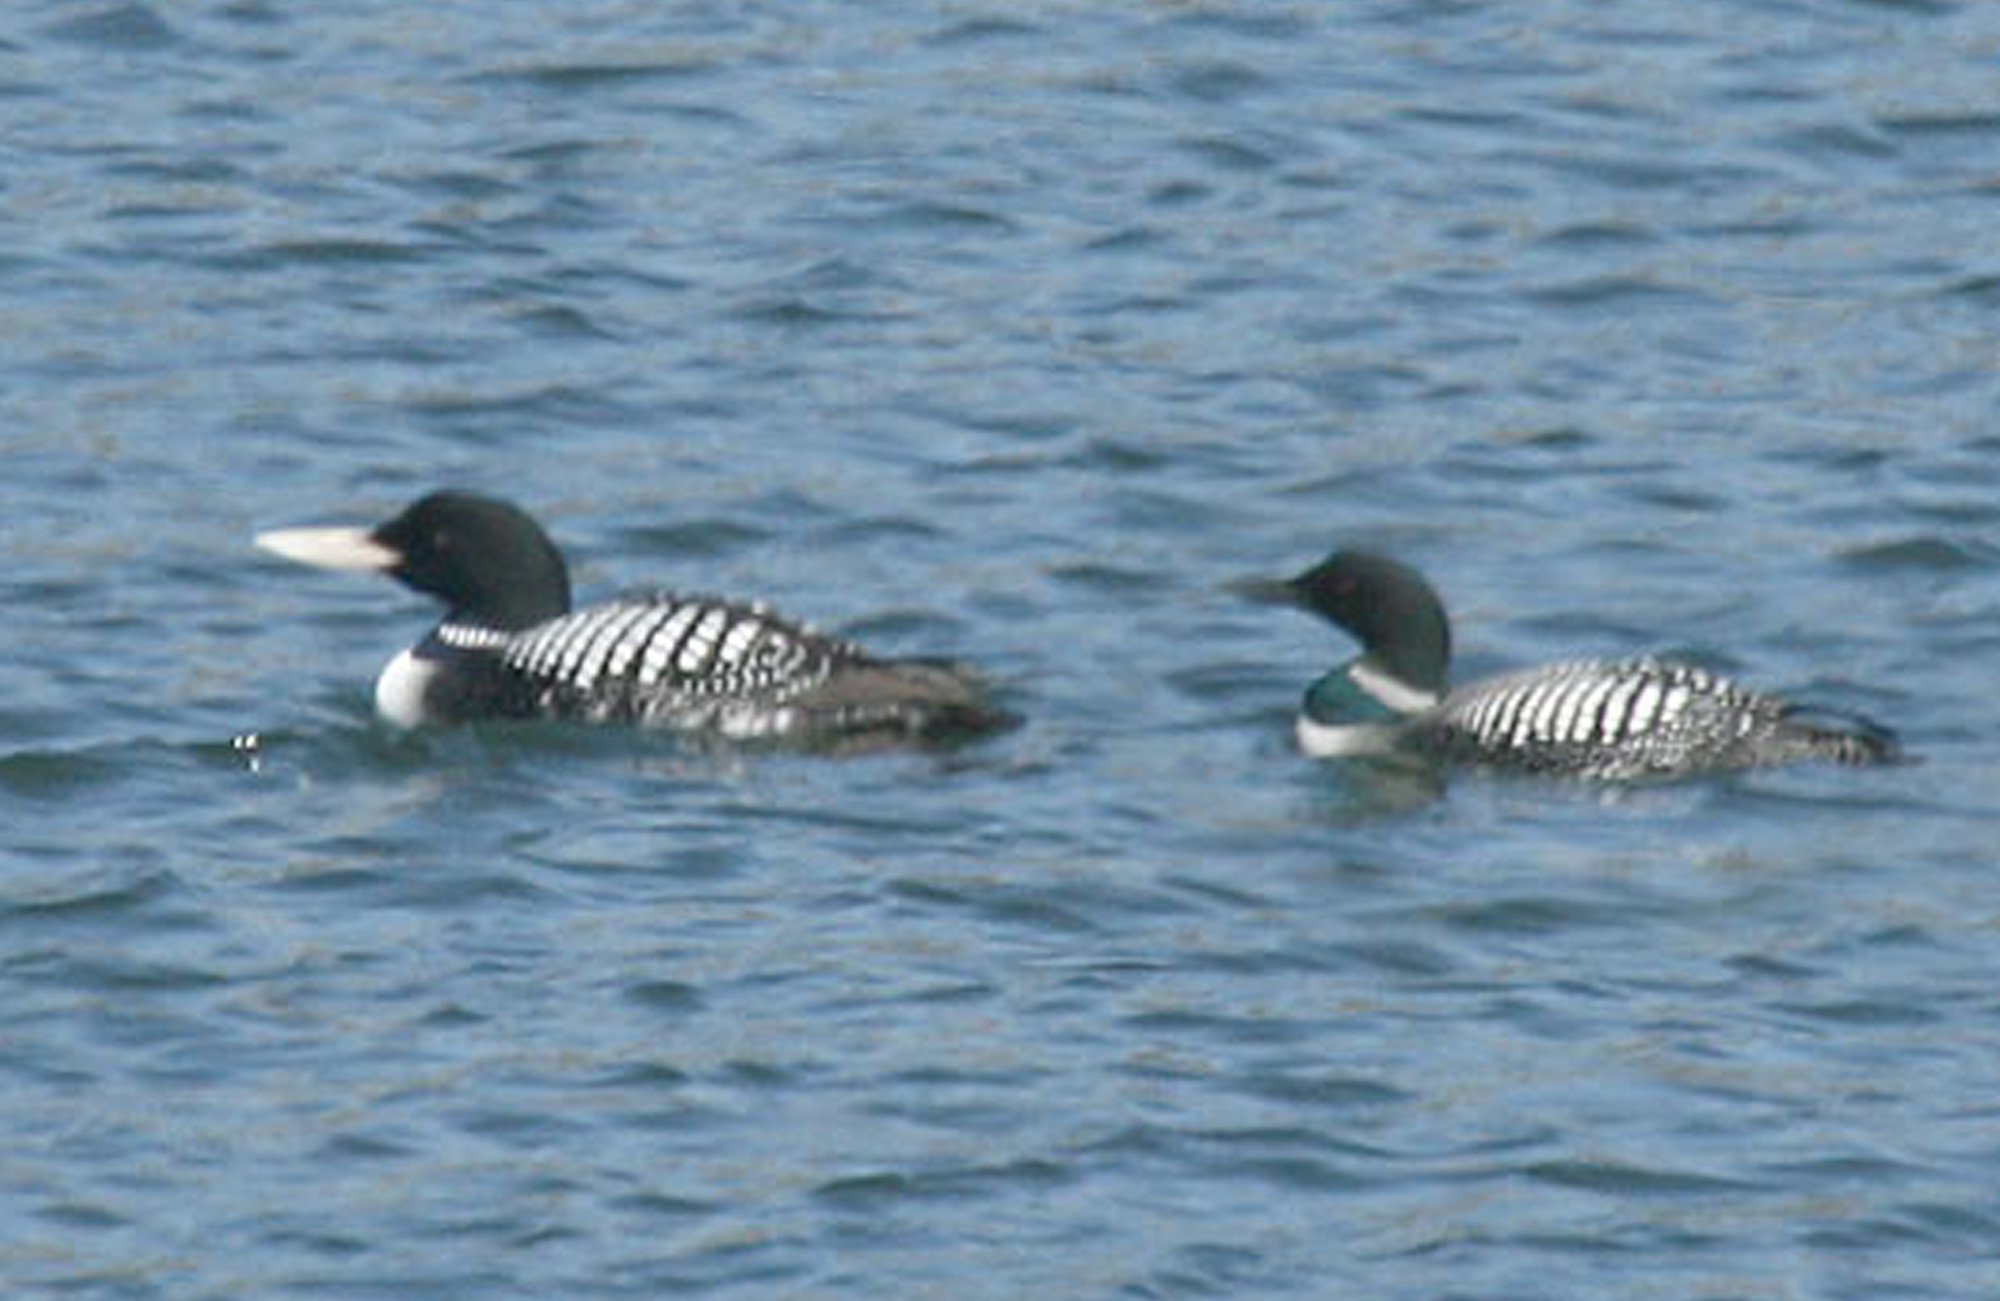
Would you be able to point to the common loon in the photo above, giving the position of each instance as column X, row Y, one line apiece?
column 511, row 647
column 1609, row 720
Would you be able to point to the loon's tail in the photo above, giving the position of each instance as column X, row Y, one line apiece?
column 872, row 703
column 1842, row 736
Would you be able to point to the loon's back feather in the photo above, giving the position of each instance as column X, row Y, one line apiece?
column 664, row 646
column 1635, row 718
column 702, row 663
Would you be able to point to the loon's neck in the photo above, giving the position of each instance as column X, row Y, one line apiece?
column 1358, row 708
column 1386, row 689
column 1362, row 691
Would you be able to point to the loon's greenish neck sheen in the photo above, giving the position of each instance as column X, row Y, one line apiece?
column 1338, row 699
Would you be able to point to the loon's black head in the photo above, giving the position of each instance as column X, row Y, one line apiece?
column 1387, row 606
column 486, row 559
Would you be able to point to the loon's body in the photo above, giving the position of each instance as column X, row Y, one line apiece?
column 511, row 647
column 1610, row 720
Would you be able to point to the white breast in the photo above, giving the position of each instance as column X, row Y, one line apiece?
column 399, row 692
column 1341, row 740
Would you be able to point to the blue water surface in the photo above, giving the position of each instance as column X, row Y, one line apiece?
column 1014, row 333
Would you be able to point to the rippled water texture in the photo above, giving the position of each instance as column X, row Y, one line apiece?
column 1014, row 333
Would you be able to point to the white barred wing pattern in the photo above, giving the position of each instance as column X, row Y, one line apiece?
column 1588, row 713
column 653, row 653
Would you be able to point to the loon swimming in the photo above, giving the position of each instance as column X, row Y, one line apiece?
column 1609, row 720
column 510, row 646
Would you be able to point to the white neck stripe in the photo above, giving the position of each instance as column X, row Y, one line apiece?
column 1391, row 690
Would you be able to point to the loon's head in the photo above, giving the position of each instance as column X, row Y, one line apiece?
column 1387, row 606
column 486, row 559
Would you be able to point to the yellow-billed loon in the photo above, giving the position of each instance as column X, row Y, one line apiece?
column 510, row 646
column 1609, row 720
